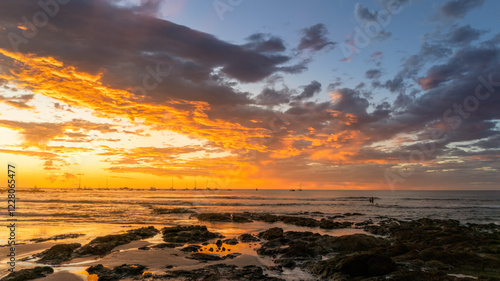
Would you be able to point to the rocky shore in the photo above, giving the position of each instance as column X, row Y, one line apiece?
column 423, row 249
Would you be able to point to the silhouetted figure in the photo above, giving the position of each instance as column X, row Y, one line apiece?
column 372, row 199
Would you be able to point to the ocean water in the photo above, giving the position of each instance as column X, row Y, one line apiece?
column 102, row 212
column 55, row 210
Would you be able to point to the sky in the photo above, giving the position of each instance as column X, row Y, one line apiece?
column 322, row 94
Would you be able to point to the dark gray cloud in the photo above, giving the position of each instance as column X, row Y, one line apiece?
column 309, row 90
column 351, row 101
column 273, row 97
column 457, row 9
column 373, row 73
column 464, row 34
column 314, row 38
column 265, row 43
column 103, row 43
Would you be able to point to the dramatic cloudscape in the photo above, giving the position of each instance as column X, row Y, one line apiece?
column 386, row 94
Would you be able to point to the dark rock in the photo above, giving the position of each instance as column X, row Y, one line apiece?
column 299, row 221
column 117, row 273
column 357, row 243
column 57, row 237
column 191, row 248
column 188, row 234
column 224, row 217
column 271, row 233
column 288, row 263
column 323, row 270
column 270, row 248
column 29, row 274
column 353, row 214
column 465, row 248
column 58, row 253
column 144, row 248
column 367, row 265
column 218, row 243
column 232, row 256
column 241, row 218
column 232, row 241
column 161, row 211
column 418, row 275
column 205, row 257
column 264, row 217
column 248, row 238
column 167, row 245
column 299, row 249
column 330, row 224
column 215, row 217
column 364, row 223
column 220, row 272
column 103, row 245
column 336, row 217
column 376, row 229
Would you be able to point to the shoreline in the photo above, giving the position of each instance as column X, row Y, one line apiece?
column 282, row 251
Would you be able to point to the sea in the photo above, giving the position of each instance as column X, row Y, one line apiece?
column 99, row 212
column 56, row 210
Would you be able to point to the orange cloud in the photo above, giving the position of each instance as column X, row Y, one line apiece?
column 47, row 76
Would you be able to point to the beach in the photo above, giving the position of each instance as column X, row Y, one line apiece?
column 192, row 235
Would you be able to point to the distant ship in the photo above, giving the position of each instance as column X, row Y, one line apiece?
column 35, row 189
column 292, row 189
column 152, row 188
column 300, row 187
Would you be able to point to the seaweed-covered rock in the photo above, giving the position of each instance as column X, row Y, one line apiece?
column 215, row 217
column 367, row 265
column 191, row 248
column 29, row 274
column 57, row 237
column 224, row 217
column 167, row 245
column 265, row 217
column 188, row 234
column 299, row 221
column 231, row 241
column 220, row 272
column 248, row 238
column 357, row 243
column 330, row 224
column 58, row 253
column 117, row 273
column 272, row 233
column 103, row 245
column 205, row 257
